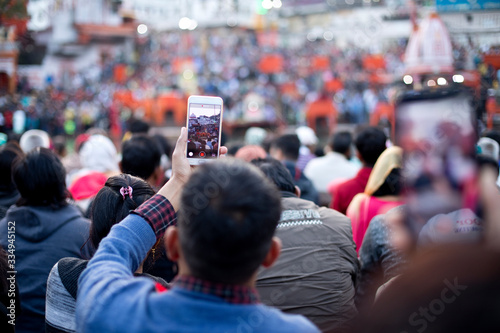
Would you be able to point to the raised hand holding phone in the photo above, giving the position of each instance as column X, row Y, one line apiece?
column 204, row 122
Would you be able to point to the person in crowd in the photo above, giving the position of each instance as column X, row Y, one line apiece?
column 120, row 195
column 383, row 192
column 99, row 161
column 141, row 157
column 315, row 275
column 286, row 150
column 370, row 143
column 166, row 156
column 380, row 260
column 334, row 165
column 8, row 191
column 47, row 228
column 10, row 304
column 215, row 289
column 308, row 141
column 34, row 138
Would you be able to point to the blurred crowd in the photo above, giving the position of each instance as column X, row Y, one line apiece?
column 240, row 67
column 113, row 230
column 345, row 246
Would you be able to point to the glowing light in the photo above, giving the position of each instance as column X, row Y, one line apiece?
column 431, row 83
column 192, row 25
column 267, row 4
column 458, row 78
column 349, row 2
column 184, row 23
column 253, row 106
column 408, row 79
column 142, row 29
column 277, row 3
column 311, row 37
column 328, row 35
column 442, row 81
column 188, row 74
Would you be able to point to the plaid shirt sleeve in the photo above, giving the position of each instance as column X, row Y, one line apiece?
column 159, row 213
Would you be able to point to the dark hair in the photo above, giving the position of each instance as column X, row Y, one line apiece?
column 370, row 143
column 110, row 206
column 276, row 172
column 484, row 160
column 227, row 218
column 393, row 184
column 8, row 153
column 137, row 126
column 40, row 178
column 341, row 142
column 140, row 156
column 163, row 145
column 289, row 144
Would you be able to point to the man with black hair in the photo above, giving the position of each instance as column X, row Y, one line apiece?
column 286, row 150
column 370, row 143
column 141, row 157
column 316, row 272
column 227, row 216
column 334, row 165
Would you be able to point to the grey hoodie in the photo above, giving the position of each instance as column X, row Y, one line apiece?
column 42, row 236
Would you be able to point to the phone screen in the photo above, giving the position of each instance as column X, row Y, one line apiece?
column 203, row 130
column 437, row 131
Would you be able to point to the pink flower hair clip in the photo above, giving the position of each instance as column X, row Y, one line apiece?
column 126, row 191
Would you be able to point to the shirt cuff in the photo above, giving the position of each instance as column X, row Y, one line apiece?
column 159, row 213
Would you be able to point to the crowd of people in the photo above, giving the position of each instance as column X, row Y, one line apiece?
column 229, row 67
column 114, row 231
column 275, row 236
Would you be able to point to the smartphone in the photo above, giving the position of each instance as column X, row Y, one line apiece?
column 437, row 131
column 204, row 122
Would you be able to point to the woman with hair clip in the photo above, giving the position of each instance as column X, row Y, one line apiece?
column 382, row 193
column 120, row 195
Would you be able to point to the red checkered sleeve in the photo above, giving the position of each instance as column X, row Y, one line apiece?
column 159, row 213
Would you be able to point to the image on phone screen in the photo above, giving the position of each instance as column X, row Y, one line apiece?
column 203, row 130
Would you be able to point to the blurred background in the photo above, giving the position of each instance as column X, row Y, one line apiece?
column 70, row 65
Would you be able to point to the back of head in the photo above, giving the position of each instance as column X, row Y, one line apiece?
column 386, row 176
column 113, row 203
column 98, row 153
column 255, row 136
column 306, row 136
column 8, row 153
column 140, row 156
column 40, row 178
column 276, row 172
column 138, row 126
column 341, row 142
column 34, row 138
column 229, row 212
column 289, row 144
column 370, row 143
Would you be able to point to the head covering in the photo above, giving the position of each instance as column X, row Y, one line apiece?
column 306, row 136
column 255, row 136
column 34, row 138
column 251, row 152
column 98, row 153
column 489, row 147
column 390, row 159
